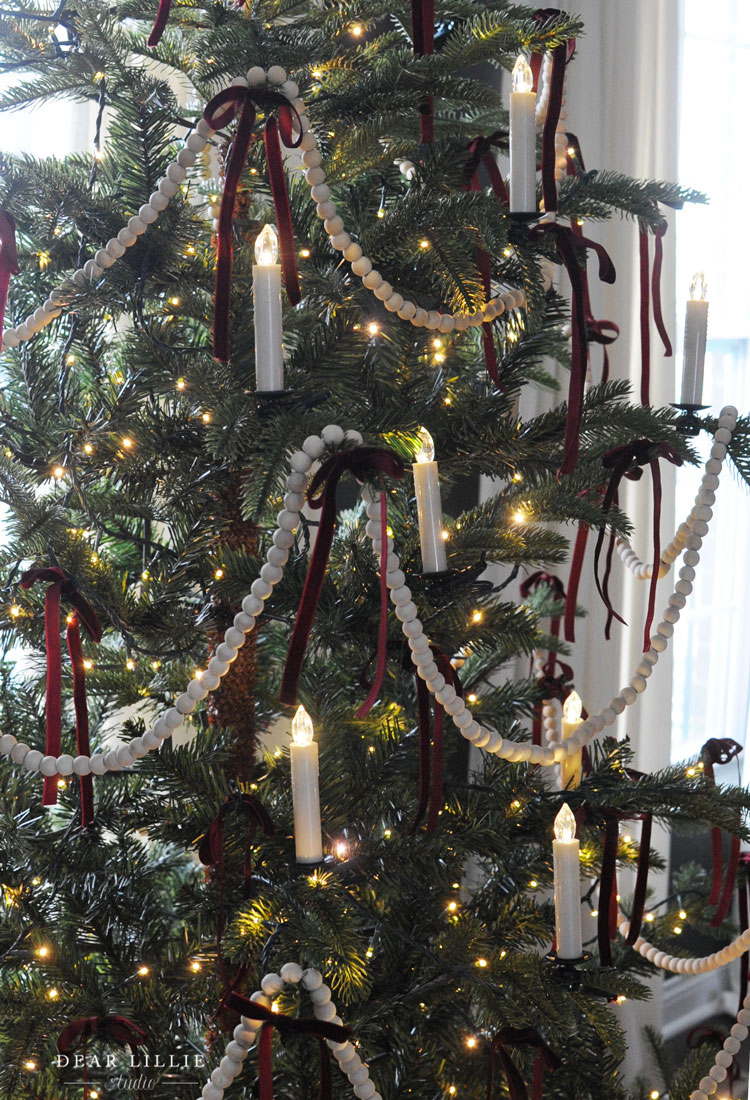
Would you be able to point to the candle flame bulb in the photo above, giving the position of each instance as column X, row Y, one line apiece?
column 698, row 287
column 565, row 824
column 267, row 246
column 426, row 452
column 522, row 78
column 573, row 707
column 302, row 727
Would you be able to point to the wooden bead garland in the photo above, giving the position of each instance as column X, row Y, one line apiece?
column 393, row 300
column 272, row 572
column 244, row 1035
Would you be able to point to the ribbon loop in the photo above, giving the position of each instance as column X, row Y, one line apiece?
column 240, row 102
column 362, row 462
column 545, row 1059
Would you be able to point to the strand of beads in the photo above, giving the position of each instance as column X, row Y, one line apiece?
column 271, row 574
column 701, row 511
column 454, row 705
column 724, row 1057
column 677, row 964
column 244, row 1035
column 234, row 638
column 550, row 724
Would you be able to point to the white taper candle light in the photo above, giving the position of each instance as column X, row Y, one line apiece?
column 694, row 354
column 269, row 357
column 566, row 858
column 570, row 767
column 305, row 793
column 429, row 506
column 522, row 139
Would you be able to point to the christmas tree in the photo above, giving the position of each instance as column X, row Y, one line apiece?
column 156, row 449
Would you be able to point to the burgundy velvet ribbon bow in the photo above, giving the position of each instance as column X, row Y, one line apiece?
column 62, row 586
column 322, row 1030
column 423, row 43
column 721, row 750
column 8, row 260
column 627, row 461
column 431, row 744
column 481, row 155
column 655, row 291
column 361, row 462
column 222, row 109
column 520, row 1037
column 116, row 1029
column 568, row 245
column 211, row 849
column 560, row 57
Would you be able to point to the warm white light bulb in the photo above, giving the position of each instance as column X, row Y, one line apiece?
column 267, row 246
column 698, row 287
column 426, row 452
column 565, row 824
column 302, row 727
column 573, row 707
column 522, row 78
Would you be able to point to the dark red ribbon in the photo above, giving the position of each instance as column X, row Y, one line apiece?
column 361, row 462
column 117, row 1029
column 568, row 244
column 423, row 43
column 520, row 1037
column 743, row 890
column 721, row 750
column 62, row 586
column 382, row 658
column 608, row 889
column 211, row 850
column 160, row 23
column 641, row 881
column 626, row 461
column 220, row 112
column 560, row 57
column 555, row 684
column 322, row 1030
column 481, row 155
column 574, row 580
column 8, row 260
column 431, row 745
column 650, row 287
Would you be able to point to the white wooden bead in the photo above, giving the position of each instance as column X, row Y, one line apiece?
column 383, row 291
column 196, row 689
column 739, row 1032
column 287, row 521
column 718, row 1072
column 276, row 556
column 225, row 653
column 665, row 629
column 617, row 704
column 33, row 759
column 276, row 75
column 352, row 252
column 91, row 270
column 126, row 237
column 362, row 266
column 315, row 175
column 135, row 225
column 340, row 241
column 218, row 667
column 707, row 1085
column 19, row 751
column 291, row 972
column 326, row 210
column 724, row 1058
column 333, row 435
column 407, row 311
column 671, row 615
column 629, row 695
column 97, row 764
column 638, row 682
column 65, row 764
column 351, row 435
column 256, row 76
column 125, row 758
column 103, row 259
column 312, row 979
column 333, row 224
column 372, row 280
column 185, row 703
column 743, row 1017
column 321, row 995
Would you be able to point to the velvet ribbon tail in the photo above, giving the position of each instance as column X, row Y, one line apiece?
column 656, row 288
column 280, row 195
column 8, row 261
column 651, row 607
column 641, row 881
column 725, row 900
column 607, row 889
column 717, row 750
column 424, row 731
column 160, row 23
column 383, row 630
column 53, row 745
column 240, row 148
column 83, row 745
column 576, row 568
column 744, row 921
column 423, row 41
column 557, row 84
column 645, row 318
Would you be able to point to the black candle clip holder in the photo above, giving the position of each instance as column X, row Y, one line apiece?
column 568, row 972
column 689, row 423
column 270, row 402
